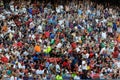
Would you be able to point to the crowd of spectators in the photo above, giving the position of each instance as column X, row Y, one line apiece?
column 74, row 41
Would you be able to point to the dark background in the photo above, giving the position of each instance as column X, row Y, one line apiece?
column 106, row 3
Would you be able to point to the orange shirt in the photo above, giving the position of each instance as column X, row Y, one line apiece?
column 118, row 39
column 118, row 23
column 4, row 28
column 37, row 48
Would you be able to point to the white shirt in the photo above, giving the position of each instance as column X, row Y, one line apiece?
column 32, row 25
column 45, row 78
column 104, row 35
column 12, row 8
column 2, row 35
column 76, row 78
column 3, row 17
column 20, row 34
column 87, row 55
column 19, row 65
column 79, row 68
column 77, row 49
column 61, row 7
column 88, row 11
column 40, row 28
column 59, row 45
column 33, row 36
column 84, row 67
column 17, row 53
column 60, row 22
column 13, row 78
column 103, row 49
column 24, row 10
column 39, row 71
column 101, row 76
column 57, row 68
column 20, row 79
column 118, row 64
column 26, row 53
column 8, row 56
column 57, row 9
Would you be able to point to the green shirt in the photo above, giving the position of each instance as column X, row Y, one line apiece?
column 82, row 38
column 111, row 44
column 90, row 29
column 102, row 45
column 58, row 77
column 52, row 41
column 73, row 75
column 9, row 72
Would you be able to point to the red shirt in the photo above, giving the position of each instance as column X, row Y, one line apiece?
column 34, row 11
column 15, row 44
column 37, row 37
column 57, row 41
column 41, row 66
column 74, row 45
column 115, row 54
column 116, row 48
column 65, row 64
column 4, row 59
column 27, row 23
column 19, row 44
column 70, row 50
column 96, row 76
column 91, row 55
column 47, row 34
column 17, row 22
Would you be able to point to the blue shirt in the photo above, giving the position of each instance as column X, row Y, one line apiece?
column 114, row 26
column 35, row 58
column 52, row 36
column 79, row 12
column 30, row 10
